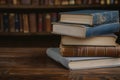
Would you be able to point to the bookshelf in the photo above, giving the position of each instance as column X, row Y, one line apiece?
column 37, row 67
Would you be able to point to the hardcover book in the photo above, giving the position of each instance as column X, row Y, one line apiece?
column 5, row 22
column 104, row 40
column 90, row 17
column 90, row 51
column 75, row 63
column 84, row 31
column 17, row 22
column 32, row 22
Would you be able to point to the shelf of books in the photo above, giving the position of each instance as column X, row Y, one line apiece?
column 26, row 17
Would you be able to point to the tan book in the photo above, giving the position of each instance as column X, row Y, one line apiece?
column 106, row 40
column 65, row 2
column 57, row 2
column 16, row 2
column 47, row 22
column 25, row 23
column 71, row 2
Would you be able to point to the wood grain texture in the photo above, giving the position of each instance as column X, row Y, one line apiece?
column 41, row 67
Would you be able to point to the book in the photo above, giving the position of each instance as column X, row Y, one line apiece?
column 25, row 23
column 75, row 63
column 84, row 31
column 104, row 40
column 32, row 22
column 17, row 22
column 90, row 51
column 25, row 2
column 5, row 22
column 90, row 17
column 12, row 22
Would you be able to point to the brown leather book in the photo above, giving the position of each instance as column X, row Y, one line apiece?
column 33, row 22
column 78, row 2
column 25, row 23
column 57, row 2
column 12, row 22
column 90, row 51
column 65, row 2
column 47, row 22
column 40, row 22
column 16, row 2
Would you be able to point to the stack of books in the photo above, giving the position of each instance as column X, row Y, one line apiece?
column 88, row 39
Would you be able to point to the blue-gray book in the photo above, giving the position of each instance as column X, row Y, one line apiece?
column 75, row 63
column 84, row 31
column 90, row 17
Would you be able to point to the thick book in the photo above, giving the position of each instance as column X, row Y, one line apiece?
column 84, row 31
column 90, row 17
column 104, row 40
column 90, row 51
column 75, row 63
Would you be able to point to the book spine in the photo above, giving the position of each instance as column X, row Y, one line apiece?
column 5, row 22
column 90, row 51
column 105, row 17
column 17, row 22
column 32, row 22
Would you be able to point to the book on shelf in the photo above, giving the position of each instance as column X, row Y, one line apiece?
column 40, row 22
column 75, row 63
column 89, row 51
column 90, row 17
column 25, row 2
column 12, row 22
column 18, row 24
column 104, row 40
column 84, row 31
column 5, row 22
column 32, row 22
column 25, row 23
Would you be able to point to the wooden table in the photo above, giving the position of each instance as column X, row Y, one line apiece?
column 44, row 68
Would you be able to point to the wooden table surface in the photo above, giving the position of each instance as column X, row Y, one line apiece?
column 43, row 68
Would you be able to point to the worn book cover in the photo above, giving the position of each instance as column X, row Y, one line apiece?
column 90, row 51
column 84, row 31
column 90, row 17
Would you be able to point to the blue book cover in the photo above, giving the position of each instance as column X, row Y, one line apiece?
column 17, row 22
column 5, row 22
column 90, row 17
column 84, row 31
